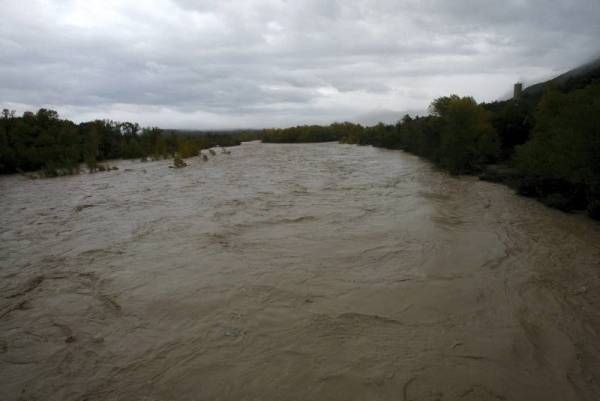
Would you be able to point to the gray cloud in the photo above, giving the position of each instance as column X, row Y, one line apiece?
column 254, row 63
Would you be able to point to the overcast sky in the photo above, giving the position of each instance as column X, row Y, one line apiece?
column 257, row 63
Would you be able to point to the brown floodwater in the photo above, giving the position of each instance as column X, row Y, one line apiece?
column 293, row 272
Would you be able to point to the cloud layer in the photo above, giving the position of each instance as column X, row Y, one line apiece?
column 257, row 63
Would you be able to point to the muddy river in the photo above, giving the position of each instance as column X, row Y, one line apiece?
column 293, row 272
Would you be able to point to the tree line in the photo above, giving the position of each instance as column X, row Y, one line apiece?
column 42, row 141
column 545, row 144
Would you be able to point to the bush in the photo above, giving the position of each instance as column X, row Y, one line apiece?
column 553, row 192
column 528, row 186
column 558, row 201
column 178, row 162
column 468, row 139
column 593, row 209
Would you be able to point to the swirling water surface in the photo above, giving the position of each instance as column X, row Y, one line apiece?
column 293, row 272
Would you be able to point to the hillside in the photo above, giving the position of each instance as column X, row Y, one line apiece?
column 576, row 78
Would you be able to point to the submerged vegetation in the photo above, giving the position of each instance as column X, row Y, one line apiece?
column 178, row 162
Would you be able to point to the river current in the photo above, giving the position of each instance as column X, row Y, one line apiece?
column 293, row 272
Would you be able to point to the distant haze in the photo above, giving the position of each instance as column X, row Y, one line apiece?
column 261, row 63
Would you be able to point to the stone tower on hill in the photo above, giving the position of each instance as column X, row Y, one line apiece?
column 518, row 90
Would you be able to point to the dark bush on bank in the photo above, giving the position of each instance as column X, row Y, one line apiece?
column 178, row 162
column 593, row 209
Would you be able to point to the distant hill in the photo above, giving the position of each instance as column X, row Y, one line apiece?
column 386, row 116
column 193, row 132
column 577, row 78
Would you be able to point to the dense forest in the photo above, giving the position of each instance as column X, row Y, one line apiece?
column 544, row 142
column 44, row 142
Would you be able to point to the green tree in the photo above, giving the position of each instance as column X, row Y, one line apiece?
column 565, row 146
column 467, row 138
column 91, row 148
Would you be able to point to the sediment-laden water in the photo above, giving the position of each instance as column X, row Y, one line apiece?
column 293, row 272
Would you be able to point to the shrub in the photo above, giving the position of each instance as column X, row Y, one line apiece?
column 178, row 162
column 593, row 209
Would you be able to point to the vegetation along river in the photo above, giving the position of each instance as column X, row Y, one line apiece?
column 293, row 272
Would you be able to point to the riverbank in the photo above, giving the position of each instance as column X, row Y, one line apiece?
column 553, row 193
